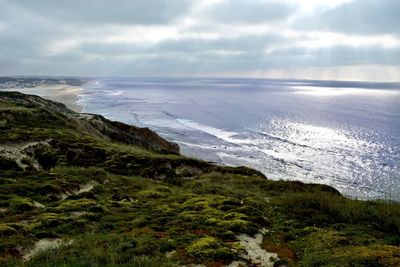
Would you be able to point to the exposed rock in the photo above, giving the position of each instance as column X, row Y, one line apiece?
column 44, row 245
column 23, row 155
column 82, row 189
column 94, row 125
column 254, row 253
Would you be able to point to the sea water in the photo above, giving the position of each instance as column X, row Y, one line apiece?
column 344, row 134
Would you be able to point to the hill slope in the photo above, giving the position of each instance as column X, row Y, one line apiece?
column 80, row 190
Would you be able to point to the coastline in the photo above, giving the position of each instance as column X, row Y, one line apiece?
column 66, row 94
column 126, row 186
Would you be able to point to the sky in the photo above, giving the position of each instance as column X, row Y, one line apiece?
column 307, row 39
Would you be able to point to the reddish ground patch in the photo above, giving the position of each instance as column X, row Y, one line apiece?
column 201, row 232
column 160, row 234
column 282, row 251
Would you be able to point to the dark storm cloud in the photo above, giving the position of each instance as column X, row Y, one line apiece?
column 358, row 16
column 255, row 11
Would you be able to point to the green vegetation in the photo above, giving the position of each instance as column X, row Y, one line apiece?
column 112, row 202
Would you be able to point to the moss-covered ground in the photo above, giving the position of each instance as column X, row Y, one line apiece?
column 114, row 204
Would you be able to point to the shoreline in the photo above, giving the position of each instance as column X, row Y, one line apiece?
column 66, row 94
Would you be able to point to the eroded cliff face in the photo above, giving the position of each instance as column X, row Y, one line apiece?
column 30, row 108
column 131, row 135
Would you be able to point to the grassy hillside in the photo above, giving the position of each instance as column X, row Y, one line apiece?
column 79, row 190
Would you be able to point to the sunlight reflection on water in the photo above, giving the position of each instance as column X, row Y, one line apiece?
column 334, row 91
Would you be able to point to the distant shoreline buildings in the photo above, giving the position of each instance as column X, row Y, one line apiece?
column 9, row 82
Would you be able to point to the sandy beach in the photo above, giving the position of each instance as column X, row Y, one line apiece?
column 65, row 94
column 68, row 95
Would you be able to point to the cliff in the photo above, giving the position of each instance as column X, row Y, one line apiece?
column 89, row 124
column 80, row 190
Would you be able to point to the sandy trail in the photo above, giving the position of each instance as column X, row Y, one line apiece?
column 82, row 189
column 254, row 252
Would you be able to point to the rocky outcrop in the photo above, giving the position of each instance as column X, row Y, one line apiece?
column 94, row 125
column 129, row 134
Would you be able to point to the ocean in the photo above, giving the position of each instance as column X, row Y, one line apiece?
column 343, row 134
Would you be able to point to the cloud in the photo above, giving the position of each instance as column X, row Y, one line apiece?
column 357, row 17
column 244, row 43
column 106, row 12
column 214, row 59
column 255, row 11
column 337, row 56
column 187, row 37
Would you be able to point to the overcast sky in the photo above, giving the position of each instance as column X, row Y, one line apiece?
column 332, row 39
